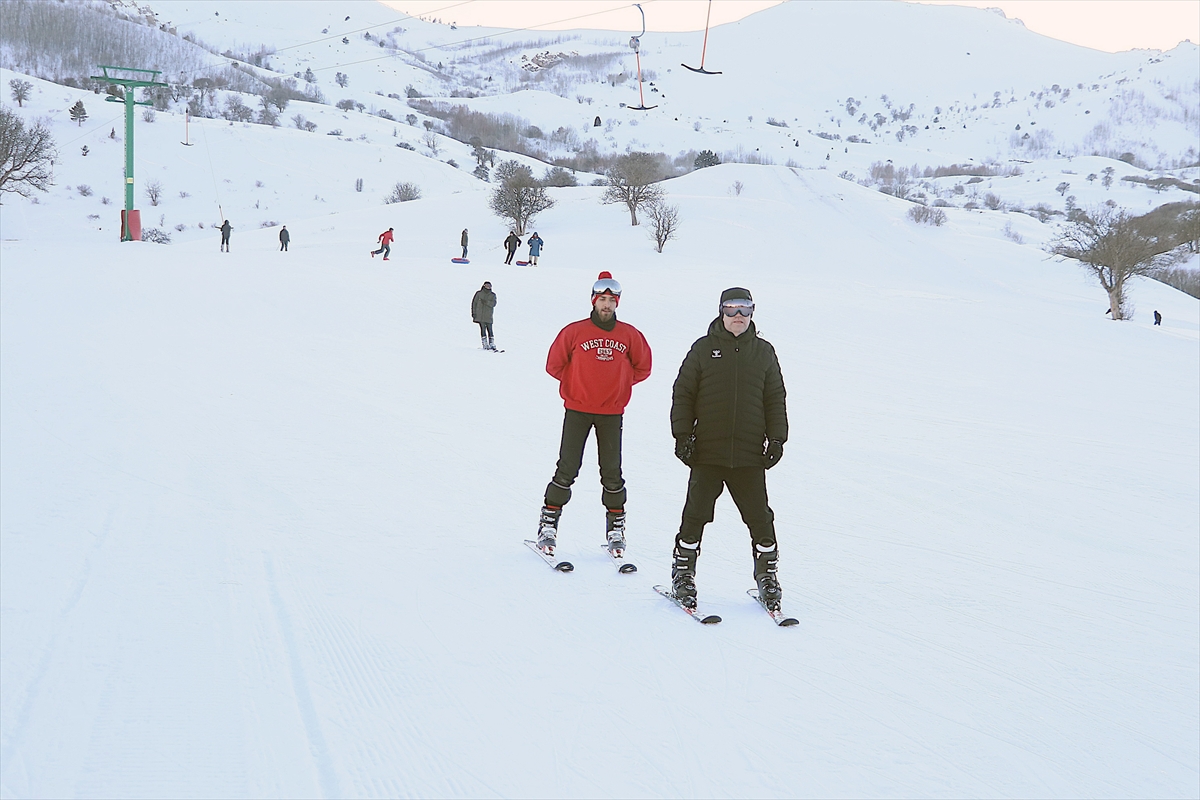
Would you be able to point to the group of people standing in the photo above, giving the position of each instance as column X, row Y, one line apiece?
column 513, row 242
column 728, row 418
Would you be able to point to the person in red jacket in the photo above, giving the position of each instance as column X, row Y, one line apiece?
column 596, row 362
column 385, row 244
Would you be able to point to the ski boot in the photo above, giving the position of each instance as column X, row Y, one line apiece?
column 683, row 572
column 766, row 567
column 547, row 536
column 615, row 531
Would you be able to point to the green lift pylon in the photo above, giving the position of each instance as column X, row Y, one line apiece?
column 127, row 223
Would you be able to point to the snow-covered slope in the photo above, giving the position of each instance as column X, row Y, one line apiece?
column 262, row 512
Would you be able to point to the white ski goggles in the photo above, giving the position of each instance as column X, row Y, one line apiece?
column 606, row 286
column 731, row 308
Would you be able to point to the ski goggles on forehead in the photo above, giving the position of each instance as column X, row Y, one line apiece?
column 732, row 308
column 606, row 286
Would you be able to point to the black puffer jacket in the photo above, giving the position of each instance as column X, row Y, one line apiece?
column 730, row 394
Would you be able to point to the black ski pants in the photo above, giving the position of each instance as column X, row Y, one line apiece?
column 747, row 486
column 485, row 330
column 512, row 251
column 576, row 427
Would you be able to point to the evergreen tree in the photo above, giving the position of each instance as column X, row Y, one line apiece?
column 707, row 158
column 79, row 113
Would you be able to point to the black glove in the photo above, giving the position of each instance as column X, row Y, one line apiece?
column 773, row 454
column 684, row 447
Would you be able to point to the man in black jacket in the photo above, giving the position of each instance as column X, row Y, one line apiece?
column 511, row 244
column 729, row 419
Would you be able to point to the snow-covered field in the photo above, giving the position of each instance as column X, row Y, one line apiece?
column 263, row 511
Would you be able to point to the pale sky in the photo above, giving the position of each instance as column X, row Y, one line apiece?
column 1109, row 25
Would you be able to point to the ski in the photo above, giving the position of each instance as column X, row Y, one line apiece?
column 780, row 619
column 694, row 613
column 555, row 564
column 624, row 567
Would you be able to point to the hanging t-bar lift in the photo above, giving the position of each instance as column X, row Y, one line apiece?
column 636, row 43
column 704, row 48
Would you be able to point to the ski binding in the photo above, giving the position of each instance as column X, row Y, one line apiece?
column 554, row 563
column 780, row 619
column 694, row 613
column 624, row 567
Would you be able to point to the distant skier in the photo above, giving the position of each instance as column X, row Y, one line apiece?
column 385, row 244
column 1157, row 318
column 729, row 420
column 226, row 229
column 463, row 242
column 284, row 238
column 535, row 248
column 481, row 312
column 511, row 244
column 596, row 361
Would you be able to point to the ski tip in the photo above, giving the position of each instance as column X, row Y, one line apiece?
column 789, row 622
column 711, row 619
column 627, row 568
column 564, row 566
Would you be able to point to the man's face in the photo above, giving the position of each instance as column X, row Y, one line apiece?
column 738, row 323
column 606, row 306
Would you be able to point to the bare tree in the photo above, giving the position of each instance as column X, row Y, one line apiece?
column 26, row 155
column 402, row 192
column 1110, row 247
column 519, row 197
column 20, row 90
column 154, row 191
column 664, row 220
column 431, row 141
column 632, row 180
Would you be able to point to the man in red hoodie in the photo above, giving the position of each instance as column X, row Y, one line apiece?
column 385, row 244
column 596, row 362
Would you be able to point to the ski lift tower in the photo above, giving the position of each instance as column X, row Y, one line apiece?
column 131, row 223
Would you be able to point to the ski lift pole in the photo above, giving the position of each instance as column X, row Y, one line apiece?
column 704, row 47
column 641, row 95
column 636, row 43
column 129, row 222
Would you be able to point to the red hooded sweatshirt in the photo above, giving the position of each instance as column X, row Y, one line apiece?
column 596, row 369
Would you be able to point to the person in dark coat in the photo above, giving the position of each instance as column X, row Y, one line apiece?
column 226, row 229
column 284, row 238
column 463, row 242
column 1157, row 318
column 481, row 312
column 511, row 244
column 729, row 420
